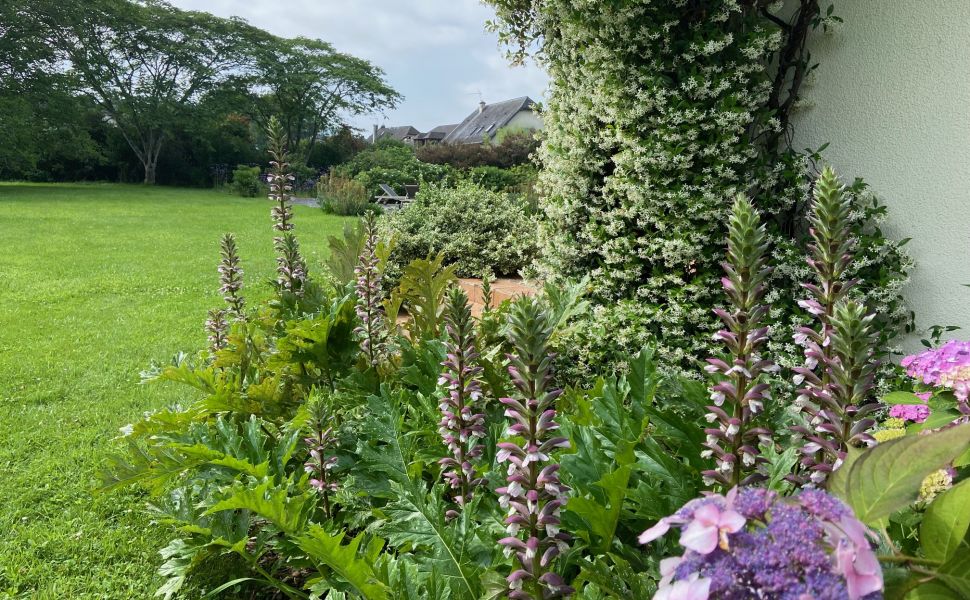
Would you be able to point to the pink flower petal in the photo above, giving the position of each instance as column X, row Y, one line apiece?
column 699, row 537
column 662, row 527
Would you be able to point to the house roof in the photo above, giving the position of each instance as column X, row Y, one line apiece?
column 487, row 120
column 438, row 133
column 397, row 133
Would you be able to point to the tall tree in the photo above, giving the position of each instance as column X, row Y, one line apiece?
column 145, row 62
column 40, row 118
column 311, row 88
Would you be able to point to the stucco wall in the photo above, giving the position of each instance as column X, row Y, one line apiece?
column 892, row 97
column 525, row 119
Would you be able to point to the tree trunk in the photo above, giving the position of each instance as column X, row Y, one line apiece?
column 149, row 158
column 150, row 169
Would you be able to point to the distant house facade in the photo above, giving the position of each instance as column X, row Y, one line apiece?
column 406, row 134
column 435, row 136
column 481, row 125
column 484, row 123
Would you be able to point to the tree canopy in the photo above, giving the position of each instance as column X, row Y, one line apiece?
column 158, row 76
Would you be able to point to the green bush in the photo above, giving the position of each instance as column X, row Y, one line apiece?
column 341, row 196
column 392, row 163
column 503, row 180
column 246, row 182
column 475, row 228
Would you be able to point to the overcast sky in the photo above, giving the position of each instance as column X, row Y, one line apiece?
column 435, row 52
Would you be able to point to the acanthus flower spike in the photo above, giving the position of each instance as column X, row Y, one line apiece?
column 290, row 265
column 372, row 330
column 462, row 426
column 533, row 494
column 839, row 370
column 740, row 392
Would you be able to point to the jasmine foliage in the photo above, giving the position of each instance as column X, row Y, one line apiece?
column 657, row 113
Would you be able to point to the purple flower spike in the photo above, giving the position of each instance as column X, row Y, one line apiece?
column 321, row 462
column 533, row 493
column 230, row 277
column 839, row 370
column 291, row 267
column 758, row 544
column 370, row 295
column 218, row 329
column 462, row 426
column 739, row 392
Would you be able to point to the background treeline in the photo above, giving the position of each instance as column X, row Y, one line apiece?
column 124, row 90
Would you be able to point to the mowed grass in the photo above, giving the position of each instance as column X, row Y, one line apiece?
column 96, row 281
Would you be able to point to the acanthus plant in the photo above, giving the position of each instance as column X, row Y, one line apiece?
column 462, row 426
column 321, row 444
column 740, row 394
column 290, row 265
column 533, row 494
column 839, row 368
column 231, row 277
column 217, row 329
column 372, row 330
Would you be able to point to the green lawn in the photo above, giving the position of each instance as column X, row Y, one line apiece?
column 96, row 281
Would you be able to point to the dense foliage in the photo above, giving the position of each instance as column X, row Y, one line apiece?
column 510, row 148
column 474, row 228
column 658, row 112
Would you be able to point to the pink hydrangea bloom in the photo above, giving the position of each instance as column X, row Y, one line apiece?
column 947, row 366
column 910, row 412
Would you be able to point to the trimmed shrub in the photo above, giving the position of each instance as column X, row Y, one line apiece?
column 246, row 182
column 476, row 229
column 341, row 196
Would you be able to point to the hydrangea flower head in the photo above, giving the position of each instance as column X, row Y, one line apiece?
column 753, row 543
column 910, row 412
column 947, row 366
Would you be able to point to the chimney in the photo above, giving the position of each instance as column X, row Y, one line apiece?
column 375, row 133
column 481, row 107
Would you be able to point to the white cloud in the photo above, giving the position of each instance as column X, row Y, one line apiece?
column 435, row 52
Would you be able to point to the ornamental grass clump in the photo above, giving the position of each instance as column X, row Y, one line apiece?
column 740, row 393
column 839, row 370
column 462, row 427
column 231, row 277
column 533, row 493
column 945, row 367
column 372, row 330
column 290, row 265
column 753, row 543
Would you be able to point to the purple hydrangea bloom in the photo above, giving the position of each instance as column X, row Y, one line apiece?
column 753, row 543
column 947, row 367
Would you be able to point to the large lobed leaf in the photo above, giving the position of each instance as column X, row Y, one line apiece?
column 877, row 482
column 359, row 569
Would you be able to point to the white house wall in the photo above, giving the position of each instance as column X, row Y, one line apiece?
column 525, row 119
column 892, row 97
